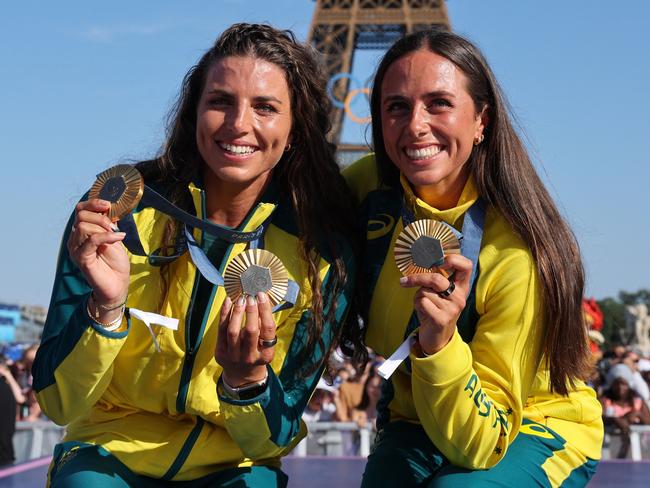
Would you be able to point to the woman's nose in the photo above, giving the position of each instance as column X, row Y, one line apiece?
column 240, row 119
column 418, row 121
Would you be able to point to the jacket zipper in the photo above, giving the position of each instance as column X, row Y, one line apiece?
column 191, row 349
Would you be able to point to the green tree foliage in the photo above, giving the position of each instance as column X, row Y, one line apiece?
column 641, row 296
column 613, row 322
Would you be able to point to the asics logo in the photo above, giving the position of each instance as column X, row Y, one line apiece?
column 380, row 226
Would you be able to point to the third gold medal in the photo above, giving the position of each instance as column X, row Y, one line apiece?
column 422, row 245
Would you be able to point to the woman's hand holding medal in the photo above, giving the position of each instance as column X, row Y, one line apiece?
column 440, row 301
column 96, row 249
column 427, row 253
column 244, row 352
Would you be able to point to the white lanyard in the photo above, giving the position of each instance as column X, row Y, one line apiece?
column 392, row 363
column 153, row 318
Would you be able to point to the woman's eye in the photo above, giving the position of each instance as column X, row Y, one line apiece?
column 394, row 107
column 440, row 102
column 266, row 108
column 217, row 101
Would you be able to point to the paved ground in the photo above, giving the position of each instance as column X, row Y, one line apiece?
column 328, row 472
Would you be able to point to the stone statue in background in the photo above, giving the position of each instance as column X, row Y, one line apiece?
column 638, row 320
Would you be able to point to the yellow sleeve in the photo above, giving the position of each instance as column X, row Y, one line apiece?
column 470, row 398
column 74, row 363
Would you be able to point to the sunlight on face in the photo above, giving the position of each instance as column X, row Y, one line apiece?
column 429, row 124
column 243, row 119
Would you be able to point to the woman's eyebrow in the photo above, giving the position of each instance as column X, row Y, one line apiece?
column 392, row 98
column 258, row 99
column 440, row 93
column 268, row 98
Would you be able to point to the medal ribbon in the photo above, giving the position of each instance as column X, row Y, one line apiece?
column 151, row 198
column 212, row 274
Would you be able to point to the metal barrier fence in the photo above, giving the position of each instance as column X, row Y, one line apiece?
column 639, row 443
column 36, row 439
column 335, row 439
column 33, row 440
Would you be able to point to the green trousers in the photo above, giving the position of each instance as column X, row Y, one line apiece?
column 77, row 465
column 403, row 455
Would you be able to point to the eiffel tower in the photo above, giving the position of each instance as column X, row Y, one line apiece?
column 340, row 27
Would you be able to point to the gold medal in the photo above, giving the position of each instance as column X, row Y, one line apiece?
column 122, row 185
column 254, row 271
column 422, row 245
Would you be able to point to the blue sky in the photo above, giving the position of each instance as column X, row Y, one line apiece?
column 86, row 85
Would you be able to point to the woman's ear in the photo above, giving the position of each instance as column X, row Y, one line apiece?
column 287, row 147
column 482, row 121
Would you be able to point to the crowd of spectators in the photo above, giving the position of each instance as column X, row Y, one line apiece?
column 621, row 379
column 347, row 395
column 17, row 399
column 350, row 396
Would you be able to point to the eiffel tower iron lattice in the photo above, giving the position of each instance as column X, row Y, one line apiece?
column 340, row 27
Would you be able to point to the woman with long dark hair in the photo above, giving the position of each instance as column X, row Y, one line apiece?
column 622, row 407
column 366, row 410
column 492, row 389
column 216, row 397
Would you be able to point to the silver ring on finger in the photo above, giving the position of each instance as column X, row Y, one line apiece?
column 448, row 291
column 265, row 344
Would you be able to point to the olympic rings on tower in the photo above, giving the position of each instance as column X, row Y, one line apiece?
column 347, row 102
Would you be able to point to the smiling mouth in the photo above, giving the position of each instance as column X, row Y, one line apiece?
column 423, row 153
column 237, row 149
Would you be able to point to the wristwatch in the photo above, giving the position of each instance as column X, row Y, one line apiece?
column 246, row 391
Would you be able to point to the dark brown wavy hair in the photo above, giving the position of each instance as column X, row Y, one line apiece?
column 307, row 174
column 507, row 180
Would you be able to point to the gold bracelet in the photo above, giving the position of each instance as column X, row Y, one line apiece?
column 111, row 326
column 106, row 308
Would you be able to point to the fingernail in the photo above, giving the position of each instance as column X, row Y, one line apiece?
column 120, row 234
column 114, row 227
column 251, row 300
column 227, row 302
column 103, row 203
column 403, row 280
column 241, row 301
column 261, row 297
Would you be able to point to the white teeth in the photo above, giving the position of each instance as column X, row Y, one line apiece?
column 423, row 153
column 237, row 149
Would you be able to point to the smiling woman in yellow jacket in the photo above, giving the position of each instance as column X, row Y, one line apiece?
column 206, row 400
column 492, row 390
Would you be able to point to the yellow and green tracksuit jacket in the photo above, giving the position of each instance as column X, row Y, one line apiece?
column 471, row 396
column 160, row 413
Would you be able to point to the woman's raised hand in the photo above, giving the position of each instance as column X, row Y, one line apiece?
column 98, row 252
column 440, row 301
column 244, row 352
